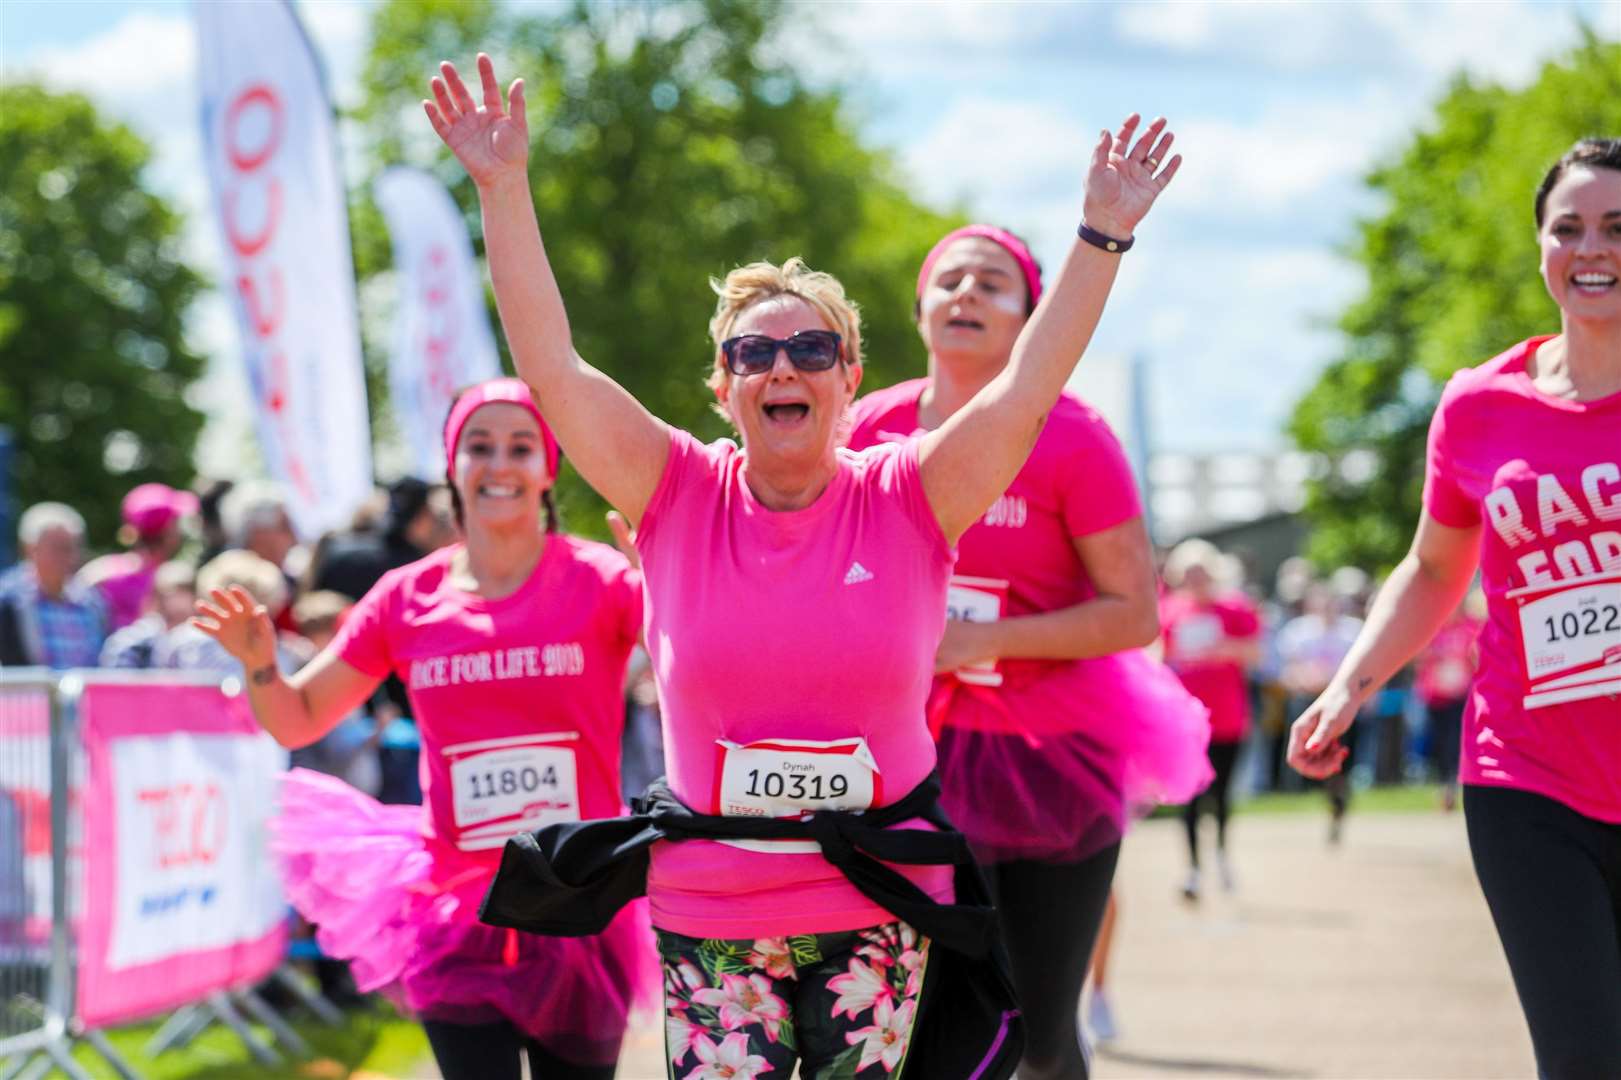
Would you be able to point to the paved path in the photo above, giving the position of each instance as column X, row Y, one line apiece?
column 1375, row 959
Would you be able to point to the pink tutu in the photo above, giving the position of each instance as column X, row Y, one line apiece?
column 1049, row 766
column 403, row 910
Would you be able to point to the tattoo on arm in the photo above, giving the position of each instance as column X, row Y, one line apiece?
column 264, row 676
column 1362, row 683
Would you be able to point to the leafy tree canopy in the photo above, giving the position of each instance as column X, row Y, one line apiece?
column 670, row 142
column 93, row 298
column 1452, row 281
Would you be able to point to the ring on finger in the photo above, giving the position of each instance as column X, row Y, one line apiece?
column 1152, row 163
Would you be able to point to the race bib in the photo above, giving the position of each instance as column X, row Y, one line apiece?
column 1570, row 635
column 977, row 599
column 506, row 786
column 793, row 778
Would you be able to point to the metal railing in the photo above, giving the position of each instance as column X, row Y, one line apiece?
column 43, row 778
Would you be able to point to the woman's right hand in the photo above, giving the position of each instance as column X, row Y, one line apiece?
column 240, row 624
column 492, row 141
column 1315, row 750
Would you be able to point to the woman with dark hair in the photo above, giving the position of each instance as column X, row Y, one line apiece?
column 1041, row 694
column 1523, row 480
column 512, row 646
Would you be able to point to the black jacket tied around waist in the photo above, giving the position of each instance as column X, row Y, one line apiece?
column 571, row 879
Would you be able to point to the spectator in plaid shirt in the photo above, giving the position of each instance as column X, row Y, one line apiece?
column 45, row 617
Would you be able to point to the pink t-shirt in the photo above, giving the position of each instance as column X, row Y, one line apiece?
column 1191, row 630
column 1076, row 482
column 125, row 581
column 1543, row 475
column 519, row 700
column 817, row 625
column 1447, row 665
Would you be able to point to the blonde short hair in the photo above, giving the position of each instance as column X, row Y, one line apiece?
column 1221, row 569
column 239, row 567
column 319, row 611
column 761, row 281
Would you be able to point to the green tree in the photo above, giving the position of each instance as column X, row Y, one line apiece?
column 671, row 143
column 93, row 298
column 1452, row 281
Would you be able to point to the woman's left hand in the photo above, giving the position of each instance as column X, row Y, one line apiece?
column 964, row 643
column 1126, row 178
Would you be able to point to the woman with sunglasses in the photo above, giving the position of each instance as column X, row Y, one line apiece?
column 1042, row 694
column 1523, row 481
column 795, row 596
column 512, row 646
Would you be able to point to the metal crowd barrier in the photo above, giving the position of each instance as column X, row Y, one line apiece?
column 42, row 881
column 37, row 762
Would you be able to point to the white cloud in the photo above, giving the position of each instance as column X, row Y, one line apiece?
column 1291, row 152
column 145, row 56
column 1505, row 40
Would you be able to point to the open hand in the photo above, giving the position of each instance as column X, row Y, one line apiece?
column 239, row 623
column 1315, row 750
column 491, row 141
column 1125, row 179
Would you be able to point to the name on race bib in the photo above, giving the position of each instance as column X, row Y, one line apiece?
column 977, row 599
column 1570, row 638
column 502, row 787
column 793, row 778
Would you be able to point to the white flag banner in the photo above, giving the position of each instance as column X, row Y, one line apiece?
column 271, row 146
column 442, row 338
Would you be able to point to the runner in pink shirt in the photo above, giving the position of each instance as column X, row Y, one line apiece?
column 1041, row 693
column 512, row 647
column 796, row 592
column 1524, row 480
column 1212, row 639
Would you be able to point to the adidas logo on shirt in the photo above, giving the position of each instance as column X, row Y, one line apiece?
column 857, row 574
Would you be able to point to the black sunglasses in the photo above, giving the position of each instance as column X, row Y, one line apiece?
column 808, row 350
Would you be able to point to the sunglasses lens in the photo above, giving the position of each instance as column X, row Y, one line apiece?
column 753, row 354
column 814, row 350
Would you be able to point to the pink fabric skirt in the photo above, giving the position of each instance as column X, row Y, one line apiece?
column 1051, row 767
column 403, row 910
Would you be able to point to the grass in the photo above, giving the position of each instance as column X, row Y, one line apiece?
column 377, row 1044
column 1398, row 799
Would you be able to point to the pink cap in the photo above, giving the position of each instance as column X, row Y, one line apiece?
column 515, row 391
column 1014, row 246
column 152, row 508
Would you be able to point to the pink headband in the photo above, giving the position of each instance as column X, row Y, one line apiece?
column 1014, row 246
column 515, row 391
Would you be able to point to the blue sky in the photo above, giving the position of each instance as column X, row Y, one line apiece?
column 1231, row 291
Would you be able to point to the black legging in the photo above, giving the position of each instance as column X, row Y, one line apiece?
column 1050, row 917
column 491, row 1052
column 1223, row 756
column 1552, row 878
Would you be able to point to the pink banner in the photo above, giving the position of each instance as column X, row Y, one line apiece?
column 181, row 894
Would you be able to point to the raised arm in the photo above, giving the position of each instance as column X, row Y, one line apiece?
column 616, row 444
column 970, row 459
column 297, row 710
column 1416, row 599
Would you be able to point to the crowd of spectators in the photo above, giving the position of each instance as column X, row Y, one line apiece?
column 131, row 609
column 1260, row 655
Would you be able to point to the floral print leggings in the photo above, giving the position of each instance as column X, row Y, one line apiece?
column 842, row 1005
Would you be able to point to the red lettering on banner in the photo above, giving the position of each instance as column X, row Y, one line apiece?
column 249, row 246
column 251, row 154
column 188, row 822
column 441, row 325
column 265, row 319
column 264, row 97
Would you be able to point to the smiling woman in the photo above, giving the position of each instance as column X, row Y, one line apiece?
column 795, row 594
column 1523, row 481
